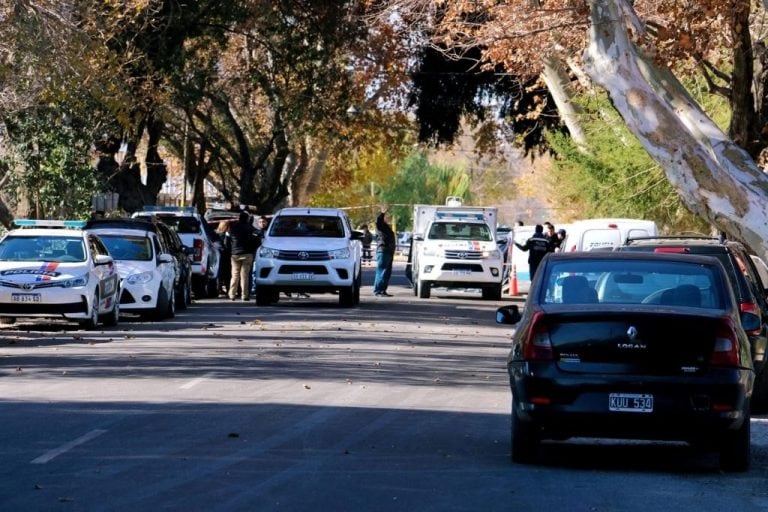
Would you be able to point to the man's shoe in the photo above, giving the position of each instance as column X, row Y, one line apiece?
column 385, row 294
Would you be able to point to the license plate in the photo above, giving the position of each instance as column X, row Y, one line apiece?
column 25, row 297
column 303, row 276
column 630, row 402
column 462, row 272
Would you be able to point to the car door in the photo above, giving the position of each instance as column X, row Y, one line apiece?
column 106, row 274
column 165, row 264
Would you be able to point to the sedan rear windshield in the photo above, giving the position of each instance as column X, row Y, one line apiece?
column 633, row 282
column 42, row 248
column 307, row 226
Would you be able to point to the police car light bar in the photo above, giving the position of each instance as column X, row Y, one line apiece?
column 38, row 223
column 459, row 215
column 179, row 209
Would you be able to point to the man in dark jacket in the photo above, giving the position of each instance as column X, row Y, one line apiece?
column 537, row 246
column 385, row 254
column 244, row 243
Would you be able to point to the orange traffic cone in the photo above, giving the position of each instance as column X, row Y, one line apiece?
column 513, row 286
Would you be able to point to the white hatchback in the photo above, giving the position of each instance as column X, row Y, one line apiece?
column 147, row 272
column 309, row 250
column 55, row 269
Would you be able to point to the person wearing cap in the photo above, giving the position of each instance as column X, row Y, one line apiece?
column 557, row 242
column 537, row 246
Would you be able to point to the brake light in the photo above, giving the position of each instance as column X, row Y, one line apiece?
column 198, row 246
column 750, row 307
column 673, row 250
column 538, row 346
column 726, row 349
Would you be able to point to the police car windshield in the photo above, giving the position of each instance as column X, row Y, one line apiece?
column 42, row 248
column 460, row 231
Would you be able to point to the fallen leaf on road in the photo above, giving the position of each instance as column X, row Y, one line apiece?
column 233, row 434
column 18, row 368
column 306, row 386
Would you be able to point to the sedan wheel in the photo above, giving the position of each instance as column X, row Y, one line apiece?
column 736, row 448
column 93, row 320
column 524, row 440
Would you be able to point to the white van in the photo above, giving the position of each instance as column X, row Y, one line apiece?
column 605, row 234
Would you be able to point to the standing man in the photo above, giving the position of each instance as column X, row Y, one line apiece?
column 385, row 254
column 537, row 246
column 367, row 240
column 244, row 243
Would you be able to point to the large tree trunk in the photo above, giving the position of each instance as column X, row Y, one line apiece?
column 558, row 83
column 716, row 178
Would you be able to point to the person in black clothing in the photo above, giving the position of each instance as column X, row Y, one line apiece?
column 385, row 254
column 261, row 231
column 537, row 246
column 244, row 244
column 367, row 240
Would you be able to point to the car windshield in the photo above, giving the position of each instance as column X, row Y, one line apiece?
column 42, row 248
column 320, row 226
column 632, row 282
column 134, row 248
column 459, row 231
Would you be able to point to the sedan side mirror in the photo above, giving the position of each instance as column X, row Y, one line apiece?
column 508, row 315
column 750, row 321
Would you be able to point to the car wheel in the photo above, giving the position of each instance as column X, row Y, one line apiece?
column 112, row 318
column 170, row 311
column 358, row 285
column 492, row 293
column 212, row 287
column 93, row 320
column 760, row 392
column 182, row 296
column 524, row 440
column 263, row 296
column 424, row 289
column 347, row 296
column 736, row 448
column 161, row 308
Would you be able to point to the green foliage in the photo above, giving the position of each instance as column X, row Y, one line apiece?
column 615, row 177
column 49, row 155
column 420, row 182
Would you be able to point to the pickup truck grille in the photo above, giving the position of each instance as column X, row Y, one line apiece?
column 303, row 255
column 463, row 255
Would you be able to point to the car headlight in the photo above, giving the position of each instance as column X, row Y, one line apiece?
column 494, row 254
column 432, row 251
column 142, row 278
column 268, row 252
column 339, row 254
column 75, row 282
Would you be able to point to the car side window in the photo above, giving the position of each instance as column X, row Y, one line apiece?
column 97, row 247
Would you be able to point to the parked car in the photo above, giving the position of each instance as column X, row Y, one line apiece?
column 195, row 232
column 148, row 270
column 182, row 255
column 309, row 250
column 56, row 269
column 746, row 283
column 636, row 345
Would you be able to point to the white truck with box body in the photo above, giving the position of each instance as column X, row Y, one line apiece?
column 455, row 247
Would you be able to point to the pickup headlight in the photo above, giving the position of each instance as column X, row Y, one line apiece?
column 493, row 255
column 75, row 282
column 142, row 278
column 433, row 252
column 339, row 254
column 268, row 252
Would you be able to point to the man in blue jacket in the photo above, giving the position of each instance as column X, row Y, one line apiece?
column 537, row 246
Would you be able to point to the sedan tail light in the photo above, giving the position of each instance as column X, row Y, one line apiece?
column 726, row 349
column 538, row 346
column 198, row 246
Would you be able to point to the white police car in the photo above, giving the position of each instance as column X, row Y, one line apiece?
column 146, row 267
column 55, row 269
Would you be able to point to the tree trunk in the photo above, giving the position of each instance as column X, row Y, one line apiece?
column 559, row 86
column 715, row 178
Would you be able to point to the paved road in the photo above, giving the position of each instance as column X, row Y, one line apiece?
column 400, row 404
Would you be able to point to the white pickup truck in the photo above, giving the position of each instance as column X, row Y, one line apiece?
column 455, row 247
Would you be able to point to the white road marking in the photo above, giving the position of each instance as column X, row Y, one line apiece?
column 66, row 447
column 195, row 382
